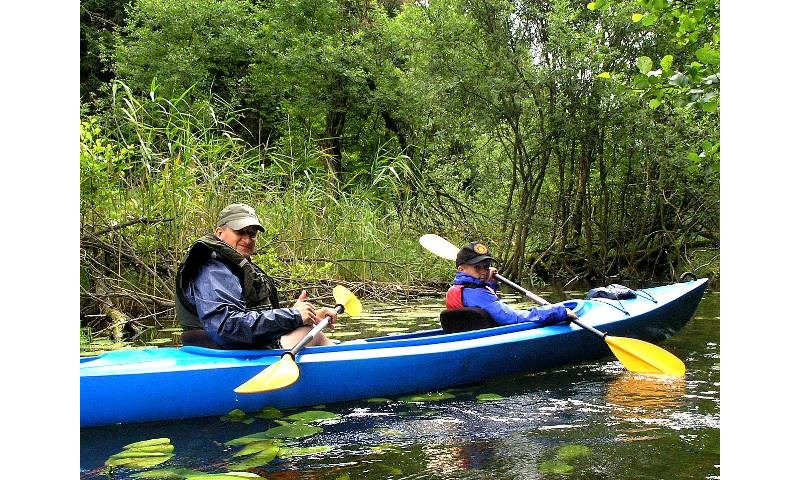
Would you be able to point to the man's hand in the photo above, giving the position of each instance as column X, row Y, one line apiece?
column 492, row 273
column 571, row 315
column 307, row 311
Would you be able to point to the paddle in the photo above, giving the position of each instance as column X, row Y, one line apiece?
column 285, row 372
column 635, row 355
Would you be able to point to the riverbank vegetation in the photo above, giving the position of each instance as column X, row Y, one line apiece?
column 581, row 142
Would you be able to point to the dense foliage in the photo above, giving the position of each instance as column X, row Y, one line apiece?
column 580, row 141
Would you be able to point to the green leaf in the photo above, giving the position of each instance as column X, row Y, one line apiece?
column 288, row 452
column 427, row 397
column 654, row 103
column 268, row 413
column 694, row 157
column 293, row 430
column 255, row 461
column 148, row 443
column 604, row 75
column 256, row 447
column 489, row 397
column 168, row 473
column 636, row 17
column 591, row 6
column 708, row 56
column 312, row 415
column 573, row 451
column 644, row 64
column 554, row 466
column 649, row 20
column 666, row 62
column 138, row 462
column 225, row 476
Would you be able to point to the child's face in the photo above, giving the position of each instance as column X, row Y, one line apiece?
column 479, row 270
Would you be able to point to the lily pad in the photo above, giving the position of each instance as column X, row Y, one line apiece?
column 378, row 400
column 144, row 461
column 257, row 447
column 554, row 466
column 237, row 415
column 168, row 473
column 572, row 451
column 147, row 443
column 288, row 452
column 428, row 397
column 255, row 461
column 268, row 413
column 293, row 430
column 489, row 397
column 224, row 476
column 312, row 416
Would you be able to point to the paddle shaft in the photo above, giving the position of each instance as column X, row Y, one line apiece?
column 314, row 331
column 542, row 301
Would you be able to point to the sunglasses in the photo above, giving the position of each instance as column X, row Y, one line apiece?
column 482, row 266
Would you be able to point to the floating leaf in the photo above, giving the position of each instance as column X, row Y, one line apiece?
column 385, row 447
column 604, row 75
column 224, row 476
column 288, row 452
column 636, row 17
column 256, row 447
column 168, row 473
column 146, row 461
column 254, row 461
column 488, row 397
column 312, row 416
column 553, row 466
column 293, row 430
column 237, row 415
column 268, row 413
column 427, row 397
column 379, row 400
column 644, row 64
column 573, row 451
column 148, row 443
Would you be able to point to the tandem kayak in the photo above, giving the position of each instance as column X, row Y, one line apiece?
column 168, row 383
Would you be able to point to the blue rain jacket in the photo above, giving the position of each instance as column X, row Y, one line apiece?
column 216, row 293
column 487, row 299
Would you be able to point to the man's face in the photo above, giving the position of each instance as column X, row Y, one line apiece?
column 243, row 241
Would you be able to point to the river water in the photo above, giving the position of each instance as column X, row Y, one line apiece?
column 588, row 421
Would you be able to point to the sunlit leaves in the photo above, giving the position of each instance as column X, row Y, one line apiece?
column 644, row 64
column 144, row 454
column 427, row 397
column 293, row 430
column 708, row 55
column 666, row 62
column 312, row 416
column 636, row 17
column 606, row 75
column 488, row 397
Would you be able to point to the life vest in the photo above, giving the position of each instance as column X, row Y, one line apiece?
column 258, row 289
column 455, row 295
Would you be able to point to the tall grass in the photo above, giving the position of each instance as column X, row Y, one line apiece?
column 155, row 172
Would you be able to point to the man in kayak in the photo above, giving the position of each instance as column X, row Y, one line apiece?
column 475, row 286
column 221, row 292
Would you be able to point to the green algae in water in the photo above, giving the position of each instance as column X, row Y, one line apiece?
column 572, row 451
column 385, row 447
column 555, row 466
column 312, row 416
column 288, row 452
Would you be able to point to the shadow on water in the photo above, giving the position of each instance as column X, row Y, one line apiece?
column 588, row 421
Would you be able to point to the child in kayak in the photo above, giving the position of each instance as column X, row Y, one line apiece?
column 474, row 286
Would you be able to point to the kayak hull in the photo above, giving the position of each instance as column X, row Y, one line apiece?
column 154, row 384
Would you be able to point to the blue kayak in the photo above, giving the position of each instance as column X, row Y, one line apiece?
column 167, row 383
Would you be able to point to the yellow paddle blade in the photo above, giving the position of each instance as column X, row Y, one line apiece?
column 280, row 374
column 438, row 246
column 345, row 298
column 642, row 357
